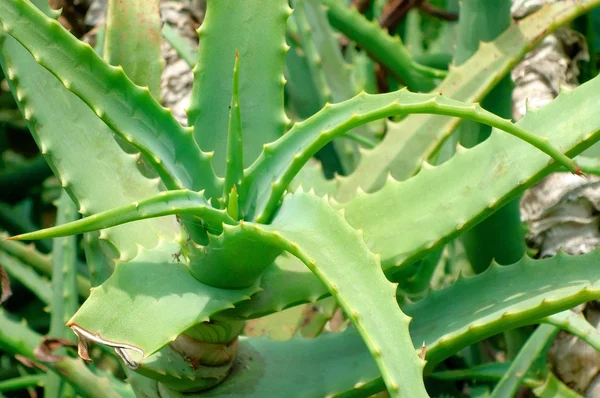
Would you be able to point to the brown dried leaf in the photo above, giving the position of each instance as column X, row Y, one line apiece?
column 44, row 351
column 5, row 289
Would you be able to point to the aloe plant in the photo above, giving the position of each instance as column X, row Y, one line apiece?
column 232, row 221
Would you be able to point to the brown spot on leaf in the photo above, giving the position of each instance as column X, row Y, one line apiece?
column 6, row 291
column 44, row 351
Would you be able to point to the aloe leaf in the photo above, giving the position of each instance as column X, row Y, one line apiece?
column 147, row 303
column 268, row 178
column 388, row 50
column 188, row 53
column 537, row 343
column 17, row 338
column 577, row 325
column 132, row 112
column 418, row 137
column 132, row 39
column 56, row 126
column 234, row 174
column 504, row 169
column 165, row 203
column 499, row 299
column 259, row 37
column 336, row 254
column 276, row 294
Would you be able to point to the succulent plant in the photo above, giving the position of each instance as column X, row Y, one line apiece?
column 190, row 231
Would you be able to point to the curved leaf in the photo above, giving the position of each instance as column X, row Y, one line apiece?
column 401, row 221
column 131, row 112
column 268, row 178
column 336, row 254
column 147, row 303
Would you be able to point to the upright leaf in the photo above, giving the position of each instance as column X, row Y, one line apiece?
column 256, row 30
column 132, row 39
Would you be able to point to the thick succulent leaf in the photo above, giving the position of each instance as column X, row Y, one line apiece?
column 131, row 111
column 257, row 32
column 165, row 203
column 417, row 137
column 535, row 346
column 280, row 161
column 57, row 128
column 132, row 39
column 336, row 254
column 147, row 303
column 389, row 50
column 577, row 325
column 491, row 174
column 277, row 293
column 501, row 298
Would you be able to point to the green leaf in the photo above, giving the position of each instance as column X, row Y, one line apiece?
column 259, row 37
column 131, row 112
column 577, row 325
column 504, row 169
column 276, row 293
column 501, row 298
column 56, row 127
column 418, row 137
column 165, row 203
column 268, row 178
column 132, row 39
column 147, row 303
column 336, row 254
